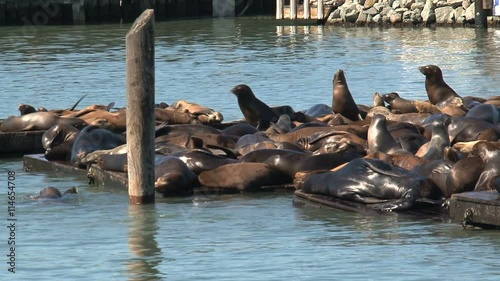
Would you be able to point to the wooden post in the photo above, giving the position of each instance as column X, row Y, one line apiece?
column 293, row 9
column 480, row 19
column 307, row 12
column 279, row 9
column 320, row 10
column 78, row 11
column 140, row 109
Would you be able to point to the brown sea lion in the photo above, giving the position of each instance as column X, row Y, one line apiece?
column 243, row 177
column 54, row 193
column 425, row 107
column 490, row 154
column 256, row 112
column 58, row 141
column 204, row 114
column 173, row 177
column 378, row 100
column 485, row 112
column 342, row 101
column 464, row 175
column 398, row 104
column 437, row 89
column 26, row 108
column 37, row 121
column 412, row 118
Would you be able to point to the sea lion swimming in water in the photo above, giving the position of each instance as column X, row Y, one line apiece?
column 342, row 101
column 437, row 89
column 256, row 112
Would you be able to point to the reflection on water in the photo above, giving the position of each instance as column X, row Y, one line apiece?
column 97, row 235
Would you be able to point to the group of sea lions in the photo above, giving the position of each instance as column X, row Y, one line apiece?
column 387, row 156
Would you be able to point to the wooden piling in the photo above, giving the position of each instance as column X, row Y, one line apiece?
column 115, row 14
column 307, row 11
column 279, row 9
column 140, row 109
column 320, row 10
column 2, row 12
column 293, row 9
column 78, row 11
column 480, row 19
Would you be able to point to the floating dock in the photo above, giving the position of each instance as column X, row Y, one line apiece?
column 480, row 208
column 20, row 143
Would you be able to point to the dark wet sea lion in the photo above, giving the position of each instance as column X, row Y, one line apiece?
column 342, row 101
column 437, row 89
column 239, row 130
column 439, row 142
column 398, row 104
column 282, row 126
column 261, row 155
column 54, row 193
column 92, row 138
column 464, row 129
column 37, row 121
column 370, row 181
column 200, row 160
column 26, row 108
column 256, row 112
column 183, row 129
column 173, row 177
column 485, row 112
column 58, row 141
column 318, row 110
column 379, row 138
column 243, row 177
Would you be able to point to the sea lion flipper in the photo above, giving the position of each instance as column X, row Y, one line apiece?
column 381, row 167
column 110, row 106
column 77, row 102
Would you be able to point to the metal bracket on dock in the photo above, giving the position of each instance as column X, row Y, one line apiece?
column 468, row 218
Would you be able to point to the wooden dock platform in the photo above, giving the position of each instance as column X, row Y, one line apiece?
column 479, row 208
column 423, row 208
column 20, row 143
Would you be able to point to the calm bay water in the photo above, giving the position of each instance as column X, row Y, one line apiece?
column 96, row 235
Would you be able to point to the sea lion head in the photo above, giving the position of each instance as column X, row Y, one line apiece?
column 242, row 91
column 431, row 72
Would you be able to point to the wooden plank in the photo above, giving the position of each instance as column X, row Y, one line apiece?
column 181, row 8
column 114, row 12
column 25, row 15
column 11, row 12
column 193, row 8
column 171, row 8
column 15, row 143
column 78, row 11
column 67, row 12
column 479, row 208
column 206, row 9
column 38, row 163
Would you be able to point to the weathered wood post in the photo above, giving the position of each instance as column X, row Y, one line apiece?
column 307, row 10
column 140, row 109
column 279, row 9
column 480, row 19
column 320, row 10
column 293, row 9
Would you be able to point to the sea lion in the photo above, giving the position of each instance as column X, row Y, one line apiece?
column 58, row 141
column 379, row 138
column 199, row 160
column 490, row 154
column 113, row 162
column 412, row 118
column 261, row 155
column 282, row 126
column 243, row 177
column 239, row 130
column 171, row 116
column 204, row 114
column 437, row 89
column 54, row 193
column 92, row 138
column 464, row 175
column 26, row 108
column 398, row 104
column 370, row 181
column 256, row 112
column 378, row 100
column 319, row 110
column 173, row 177
column 440, row 140
column 485, row 112
column 37, row 121
column 342, row 101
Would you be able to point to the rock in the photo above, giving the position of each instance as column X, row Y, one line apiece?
column 401, row 10
column 379, row 6
column 396, row 4
column 396, row 17
column 407, row 3
column 466, row 4
column 377, row 19
column 455, row 3
column 470, row 14
column 362, row 18
column 350, row 12
column 369, row 3
column 335, row 14
column 412, row 17
column 445, row 15
column 419, row 6
column 428, row 15
column 460, row 15
column 371, row 11
column 441, row 3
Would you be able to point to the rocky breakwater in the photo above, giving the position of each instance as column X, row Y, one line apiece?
column 404, row 12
